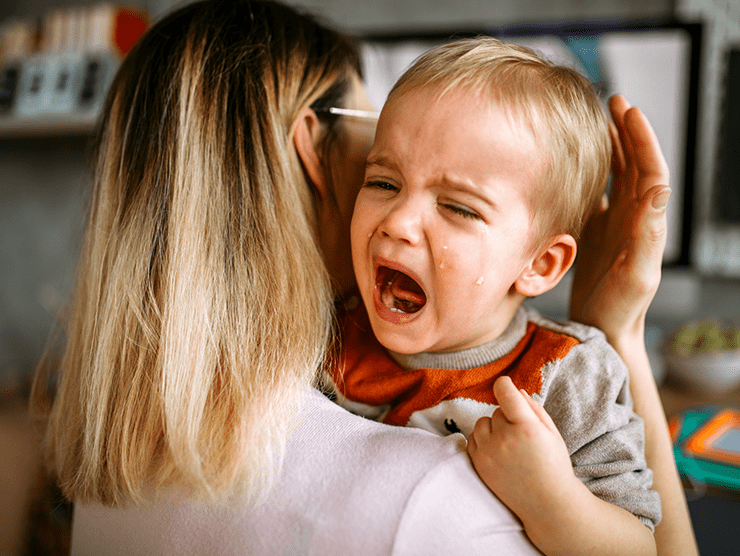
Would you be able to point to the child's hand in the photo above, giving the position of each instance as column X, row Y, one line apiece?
column 520, row 455
column 621, row 252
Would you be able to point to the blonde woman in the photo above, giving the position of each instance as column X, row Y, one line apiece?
column 186, row 418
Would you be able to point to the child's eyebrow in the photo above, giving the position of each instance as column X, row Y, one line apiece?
column 469, row 188
column 382, row 161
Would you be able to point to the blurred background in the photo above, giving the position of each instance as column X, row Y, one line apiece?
column 679, row 60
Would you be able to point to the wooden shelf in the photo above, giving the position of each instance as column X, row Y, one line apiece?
column 20, row 471
column 47, row 126
column 677, row 397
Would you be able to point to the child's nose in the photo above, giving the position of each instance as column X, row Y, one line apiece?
column 403, row 222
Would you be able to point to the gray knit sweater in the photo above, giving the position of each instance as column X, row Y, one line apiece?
column 584, row 389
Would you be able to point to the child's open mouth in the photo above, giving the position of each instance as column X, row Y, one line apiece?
column 398, row 291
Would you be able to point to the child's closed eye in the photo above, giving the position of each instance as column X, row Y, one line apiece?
column 460, row 210
column 380, row 184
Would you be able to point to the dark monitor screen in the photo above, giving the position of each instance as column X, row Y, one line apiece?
column 728, row 189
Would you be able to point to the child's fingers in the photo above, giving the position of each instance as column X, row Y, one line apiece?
column 483, row 429
column 540, row 412
column 472, row 444
column 512, row 403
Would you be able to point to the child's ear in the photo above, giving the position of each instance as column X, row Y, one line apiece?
column 548, row 267
column 306, row 139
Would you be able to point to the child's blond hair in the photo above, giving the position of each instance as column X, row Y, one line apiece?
column 559, row 105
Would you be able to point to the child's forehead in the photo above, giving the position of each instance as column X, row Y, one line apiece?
column 457, row 134
column 522, row 113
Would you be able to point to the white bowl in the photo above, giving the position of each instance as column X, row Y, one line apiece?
column 714, row 372
column 705, row 354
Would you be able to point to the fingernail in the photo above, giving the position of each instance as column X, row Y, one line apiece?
column 660, row 201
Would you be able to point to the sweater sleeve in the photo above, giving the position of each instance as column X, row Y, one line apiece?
column 587, row 396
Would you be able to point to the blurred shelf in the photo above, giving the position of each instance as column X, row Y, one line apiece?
column 47, row 126
column 20, row 470
column 677, row 397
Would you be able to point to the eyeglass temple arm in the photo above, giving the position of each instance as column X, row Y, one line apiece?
column 365, row 114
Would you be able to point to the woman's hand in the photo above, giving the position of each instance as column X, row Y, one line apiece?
column 617, row 274
column 621, row 252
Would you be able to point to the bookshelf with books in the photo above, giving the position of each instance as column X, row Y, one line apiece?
column 54, row 72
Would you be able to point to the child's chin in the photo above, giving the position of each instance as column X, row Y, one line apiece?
column 398, row 343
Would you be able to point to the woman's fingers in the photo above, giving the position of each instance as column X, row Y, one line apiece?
column 638, row 162
column 626, row 172
column 659, row 197
column 652, row 168
column 648, row 253
column 618, row 161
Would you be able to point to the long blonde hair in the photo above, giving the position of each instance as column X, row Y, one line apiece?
column 202, row 308
column 558, row 103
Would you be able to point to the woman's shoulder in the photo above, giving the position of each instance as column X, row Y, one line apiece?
column 348, row 485
column 424, row 485
column 330, row 425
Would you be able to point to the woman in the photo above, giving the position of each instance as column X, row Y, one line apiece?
column 203, row 311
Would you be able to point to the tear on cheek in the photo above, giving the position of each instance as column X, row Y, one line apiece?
column 398, row 291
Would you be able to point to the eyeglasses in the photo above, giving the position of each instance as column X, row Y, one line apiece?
column 361, row 114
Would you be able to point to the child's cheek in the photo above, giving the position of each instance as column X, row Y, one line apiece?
column 443, row 258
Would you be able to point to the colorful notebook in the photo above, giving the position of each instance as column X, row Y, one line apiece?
column 707, row 445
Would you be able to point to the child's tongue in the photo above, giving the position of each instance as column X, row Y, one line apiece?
column 399, row 292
